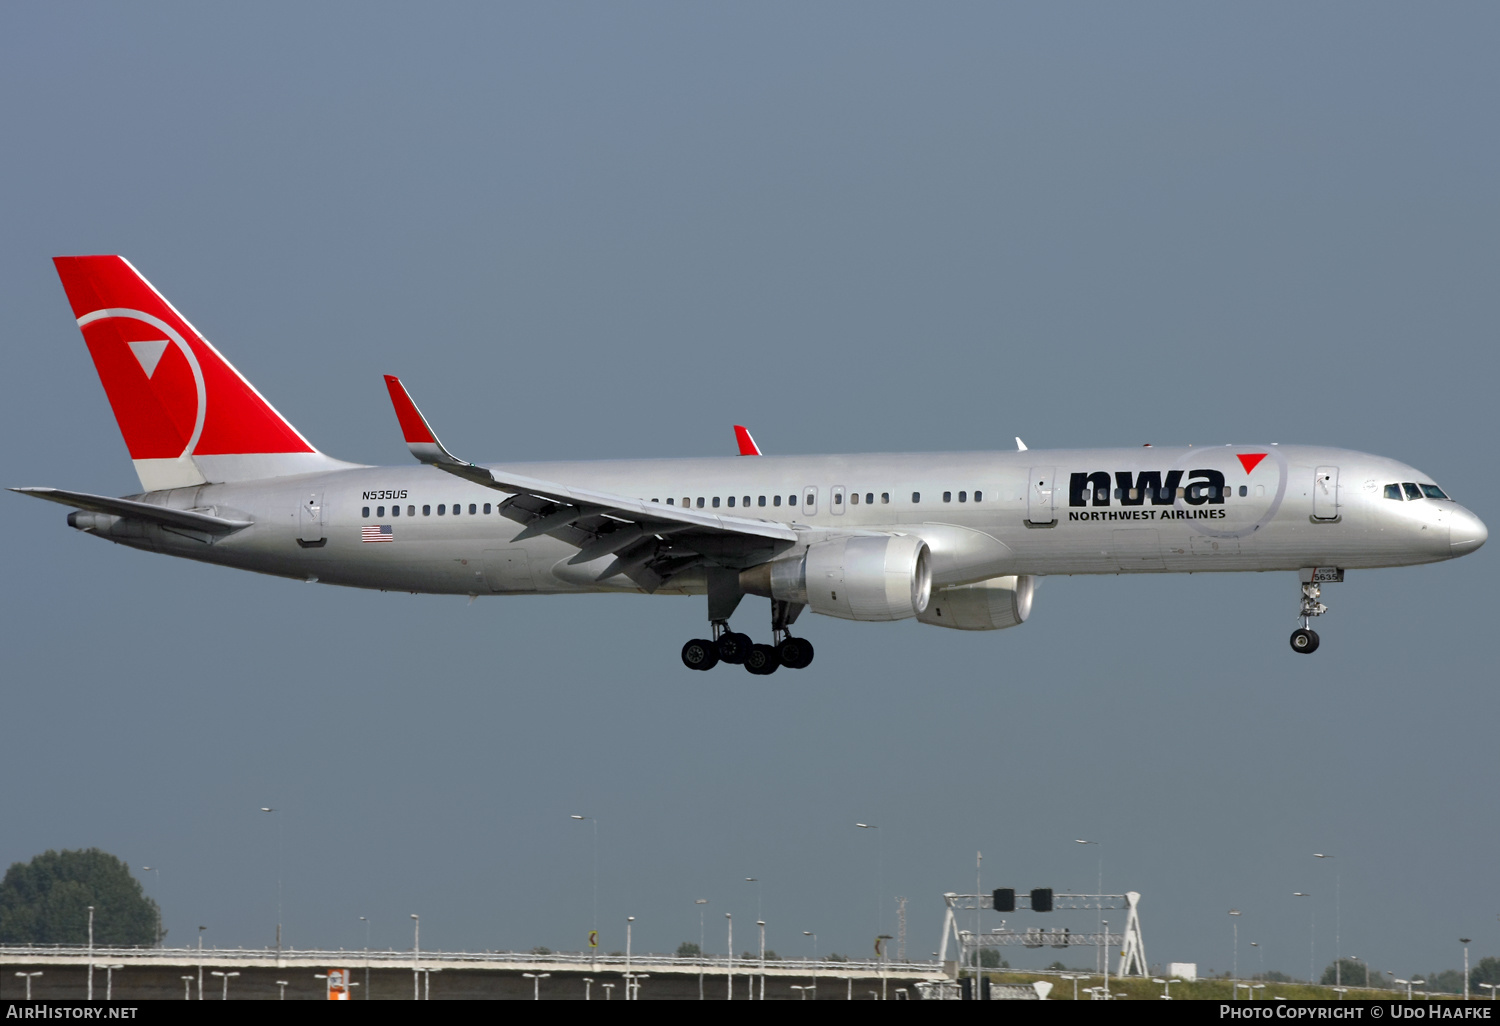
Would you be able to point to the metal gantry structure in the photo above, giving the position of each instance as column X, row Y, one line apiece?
column 1131, row 945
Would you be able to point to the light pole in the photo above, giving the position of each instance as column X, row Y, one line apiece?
column 226, row 977
column 362, row 919
column 1338, row 980
column 1312, row 979
column 1075, row 979
column 1104, row 929
column 91, row 952
column 536, row 984
column 729, row 966
column 1235, row 972
column 635, row 984
column 609, row 990
column 157, row 871
column 761, row 923
column 27, row 977
column 1489, row 987
column 200, row 961
column 416, row 957
column 879, row 875
column 1166, row 988
column 1102, row 952
column 1465, row 942
column 629, row 922
column 277, row 814
column 700, row 902
column 804, row 990
column 187, row 988
column 1258, row 948
column 814, row 936
column 279, row 983
column 595, row 824
column 588, row 987
column 109, row 980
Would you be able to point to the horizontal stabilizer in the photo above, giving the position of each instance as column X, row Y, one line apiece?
column 180, row 518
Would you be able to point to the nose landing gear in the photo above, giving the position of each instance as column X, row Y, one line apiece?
column 1304, row 638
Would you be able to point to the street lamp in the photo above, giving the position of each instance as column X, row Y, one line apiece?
column 729, row 966
column 1338, row 979
column 1489, row 987
column 814, row 936
column 416, row 956
column 187, row 988
column 1166, row 988
column 1075, row 978
column 27, row 977
column 700, row 902
column 280, row 983
column 1102, row 951
column 588, row 986
column 1465, row 942
column 635, row 984
column 629, row 922
column 157, row 871
column 536, row 984
column 1235, row 972
column 226, row 977
column 277, row 813
column 362, row 919
column 595, row 824
column 803, row 989
column 109, row 980
column 91, row 952
column 762, row 924
column 879, row 875
column 609, row 990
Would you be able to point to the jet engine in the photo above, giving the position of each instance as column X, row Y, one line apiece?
column 888, row 577
column 990, row 605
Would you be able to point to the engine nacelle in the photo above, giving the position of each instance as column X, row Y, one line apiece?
column 989, row 605
column 888, row 577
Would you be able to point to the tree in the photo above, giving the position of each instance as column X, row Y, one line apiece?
column 687, row 949
column 1449, row 981
column 989, row 958
column 1486, row 971
column 1354, row 973
column 46, row 900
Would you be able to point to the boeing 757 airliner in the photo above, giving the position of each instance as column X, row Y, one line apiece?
column 953, row 539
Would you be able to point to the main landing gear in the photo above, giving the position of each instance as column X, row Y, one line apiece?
column 1304, row 638
column 726, row 646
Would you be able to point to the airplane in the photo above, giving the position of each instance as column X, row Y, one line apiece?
column 954, row 540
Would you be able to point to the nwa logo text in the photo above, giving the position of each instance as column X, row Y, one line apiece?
column 1202, row 488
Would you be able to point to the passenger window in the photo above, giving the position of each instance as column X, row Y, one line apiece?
column 700, row 502
column 963, row 496
column 487, row 508
column 947, row 496
column 411, row 511
column 1393, row 491
column 474, row 509
column 776, row 500
column 716, row 502
column 791, row 500
column 746, row 501
column 810, row 501
column 885, row 496
column 441, row 508
column 427, row 511
column 1244, row 491
column 838, row 498
column 670, row 503
column 1433, row 491
column 395, row 511
column 916, row 497
column 1412, row 492
column 854, row 498
column 762, row 501
column 978, row 496
column 731, row 501
column 380, row 512
column 869, row 498
column 365, row 512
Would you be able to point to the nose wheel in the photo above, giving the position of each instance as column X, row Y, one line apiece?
column 1304, row 641
column 1304, row 638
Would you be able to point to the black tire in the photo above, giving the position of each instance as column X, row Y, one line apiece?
column 1304, row 641
column 733, row 648
column 700, row 654
column 762, row 660
column 795, row 653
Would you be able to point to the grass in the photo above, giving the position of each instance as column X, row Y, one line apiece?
column 1137, row 989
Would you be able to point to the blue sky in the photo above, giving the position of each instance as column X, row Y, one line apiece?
column 592, row 231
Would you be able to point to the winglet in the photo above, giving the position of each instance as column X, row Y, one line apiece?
column 747, row 444
column 1020, row 445
column 424, row 445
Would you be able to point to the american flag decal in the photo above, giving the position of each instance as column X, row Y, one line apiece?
column 376, row 533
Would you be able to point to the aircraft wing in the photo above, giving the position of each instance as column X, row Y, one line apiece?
column 650, row 542
column 182, row 518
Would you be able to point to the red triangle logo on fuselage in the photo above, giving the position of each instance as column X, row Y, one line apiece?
column 1250, row 460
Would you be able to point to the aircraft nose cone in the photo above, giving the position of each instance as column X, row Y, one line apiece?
column 1467, row 533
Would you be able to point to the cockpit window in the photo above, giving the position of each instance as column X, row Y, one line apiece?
column 1393, row 491
column 1433, row 491
column 1412, row 491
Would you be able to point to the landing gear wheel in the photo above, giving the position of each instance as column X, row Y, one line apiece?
column 795, row 653
column 1304, row 641
column 700, row 654
column 762, row 660
column 733, row 648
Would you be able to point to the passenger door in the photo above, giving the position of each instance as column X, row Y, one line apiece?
column 1040, row 504
column 310, row 522
column 1326, row 494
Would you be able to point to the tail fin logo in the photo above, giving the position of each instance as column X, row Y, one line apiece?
column 185, row 410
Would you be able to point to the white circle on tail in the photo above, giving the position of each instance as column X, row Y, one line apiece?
column 187, row 351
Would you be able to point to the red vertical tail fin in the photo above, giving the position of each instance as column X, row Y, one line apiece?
column 188, row 417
